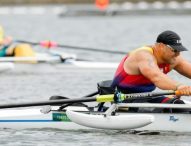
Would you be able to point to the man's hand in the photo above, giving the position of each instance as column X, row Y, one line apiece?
column 184, row 90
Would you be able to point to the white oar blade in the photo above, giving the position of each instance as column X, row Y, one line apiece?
column 119, row 122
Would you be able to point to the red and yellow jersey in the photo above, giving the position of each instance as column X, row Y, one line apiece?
column 135, row 83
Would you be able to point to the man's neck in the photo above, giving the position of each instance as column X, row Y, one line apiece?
column 157, row 52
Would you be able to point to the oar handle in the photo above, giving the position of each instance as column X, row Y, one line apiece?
column 178, row 93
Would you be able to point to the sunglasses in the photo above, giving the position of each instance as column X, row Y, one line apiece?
column 173, row 50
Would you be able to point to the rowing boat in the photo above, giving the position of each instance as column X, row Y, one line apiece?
column 80, row 117
column 39, row 58
column 158, row 121
column 58, row 57
column 24, row 53
column 54, row 118
column 36, row 118
column 72, row 114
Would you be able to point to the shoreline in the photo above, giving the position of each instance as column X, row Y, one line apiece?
column 49, row 2
column 114, row 9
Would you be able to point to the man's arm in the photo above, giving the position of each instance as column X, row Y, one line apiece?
column 148, row 67
column 183, row 67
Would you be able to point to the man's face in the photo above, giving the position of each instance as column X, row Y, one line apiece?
column 170, row 54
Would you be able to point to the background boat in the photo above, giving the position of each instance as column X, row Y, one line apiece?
column 29, row 56
column 5, row 66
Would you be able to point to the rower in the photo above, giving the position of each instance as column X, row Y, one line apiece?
column 5, row 42
column 7, row 48
column 145, row 68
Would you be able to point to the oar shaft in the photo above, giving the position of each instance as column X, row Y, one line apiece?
column 28, row 42
column 120, row 97
column 101, row 98
column 149, row 94
column 155, row 105
column 91, row 49
column 50, row 44
column 91, row 94
column 51, row 102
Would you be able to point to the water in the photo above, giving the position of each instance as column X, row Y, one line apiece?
column 39, row 82
column 49, row 137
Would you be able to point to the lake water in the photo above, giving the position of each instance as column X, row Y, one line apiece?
column 39, row 82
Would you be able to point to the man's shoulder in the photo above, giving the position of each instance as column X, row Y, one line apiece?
column 143, row 53
column 143, row 48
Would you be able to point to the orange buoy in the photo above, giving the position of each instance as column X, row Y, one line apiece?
column 102, row 4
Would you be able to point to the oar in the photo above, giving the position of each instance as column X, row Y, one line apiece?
column 50, row 44
column 55, row 97
column 120, row 97
column 155, row 105
column 53, row 102
column 102, row 98
column 69, row 104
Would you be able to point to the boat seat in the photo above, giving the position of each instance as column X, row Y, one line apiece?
column 105, row 88
column 24, row 50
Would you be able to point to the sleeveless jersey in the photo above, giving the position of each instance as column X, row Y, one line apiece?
column 127, row 83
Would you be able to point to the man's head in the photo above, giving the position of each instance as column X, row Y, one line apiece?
column 172, row 40
column 169, row 46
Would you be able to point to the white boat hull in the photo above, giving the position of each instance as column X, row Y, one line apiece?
column 34, row 118
column 57, row 58
column 6, row 66
column 40, row 57
column 170, row 122
column 117, row 122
